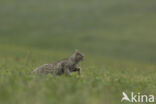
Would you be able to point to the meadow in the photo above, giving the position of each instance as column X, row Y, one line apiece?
column 117, row 37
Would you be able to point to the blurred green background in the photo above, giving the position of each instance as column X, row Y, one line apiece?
column 120, row 28
column 118, row 38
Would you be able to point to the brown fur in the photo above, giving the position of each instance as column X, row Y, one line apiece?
column 65, row 66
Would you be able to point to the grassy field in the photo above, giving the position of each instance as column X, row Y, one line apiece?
column 117, row 37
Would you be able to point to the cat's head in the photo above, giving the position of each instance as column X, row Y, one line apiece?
column 78, row 56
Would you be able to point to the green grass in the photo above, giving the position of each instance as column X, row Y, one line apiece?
column 117, row 37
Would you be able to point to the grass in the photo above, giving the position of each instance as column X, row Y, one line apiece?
column 102, row 81
column 117, row 38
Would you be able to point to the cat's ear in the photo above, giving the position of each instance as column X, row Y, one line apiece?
column 76, row 51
